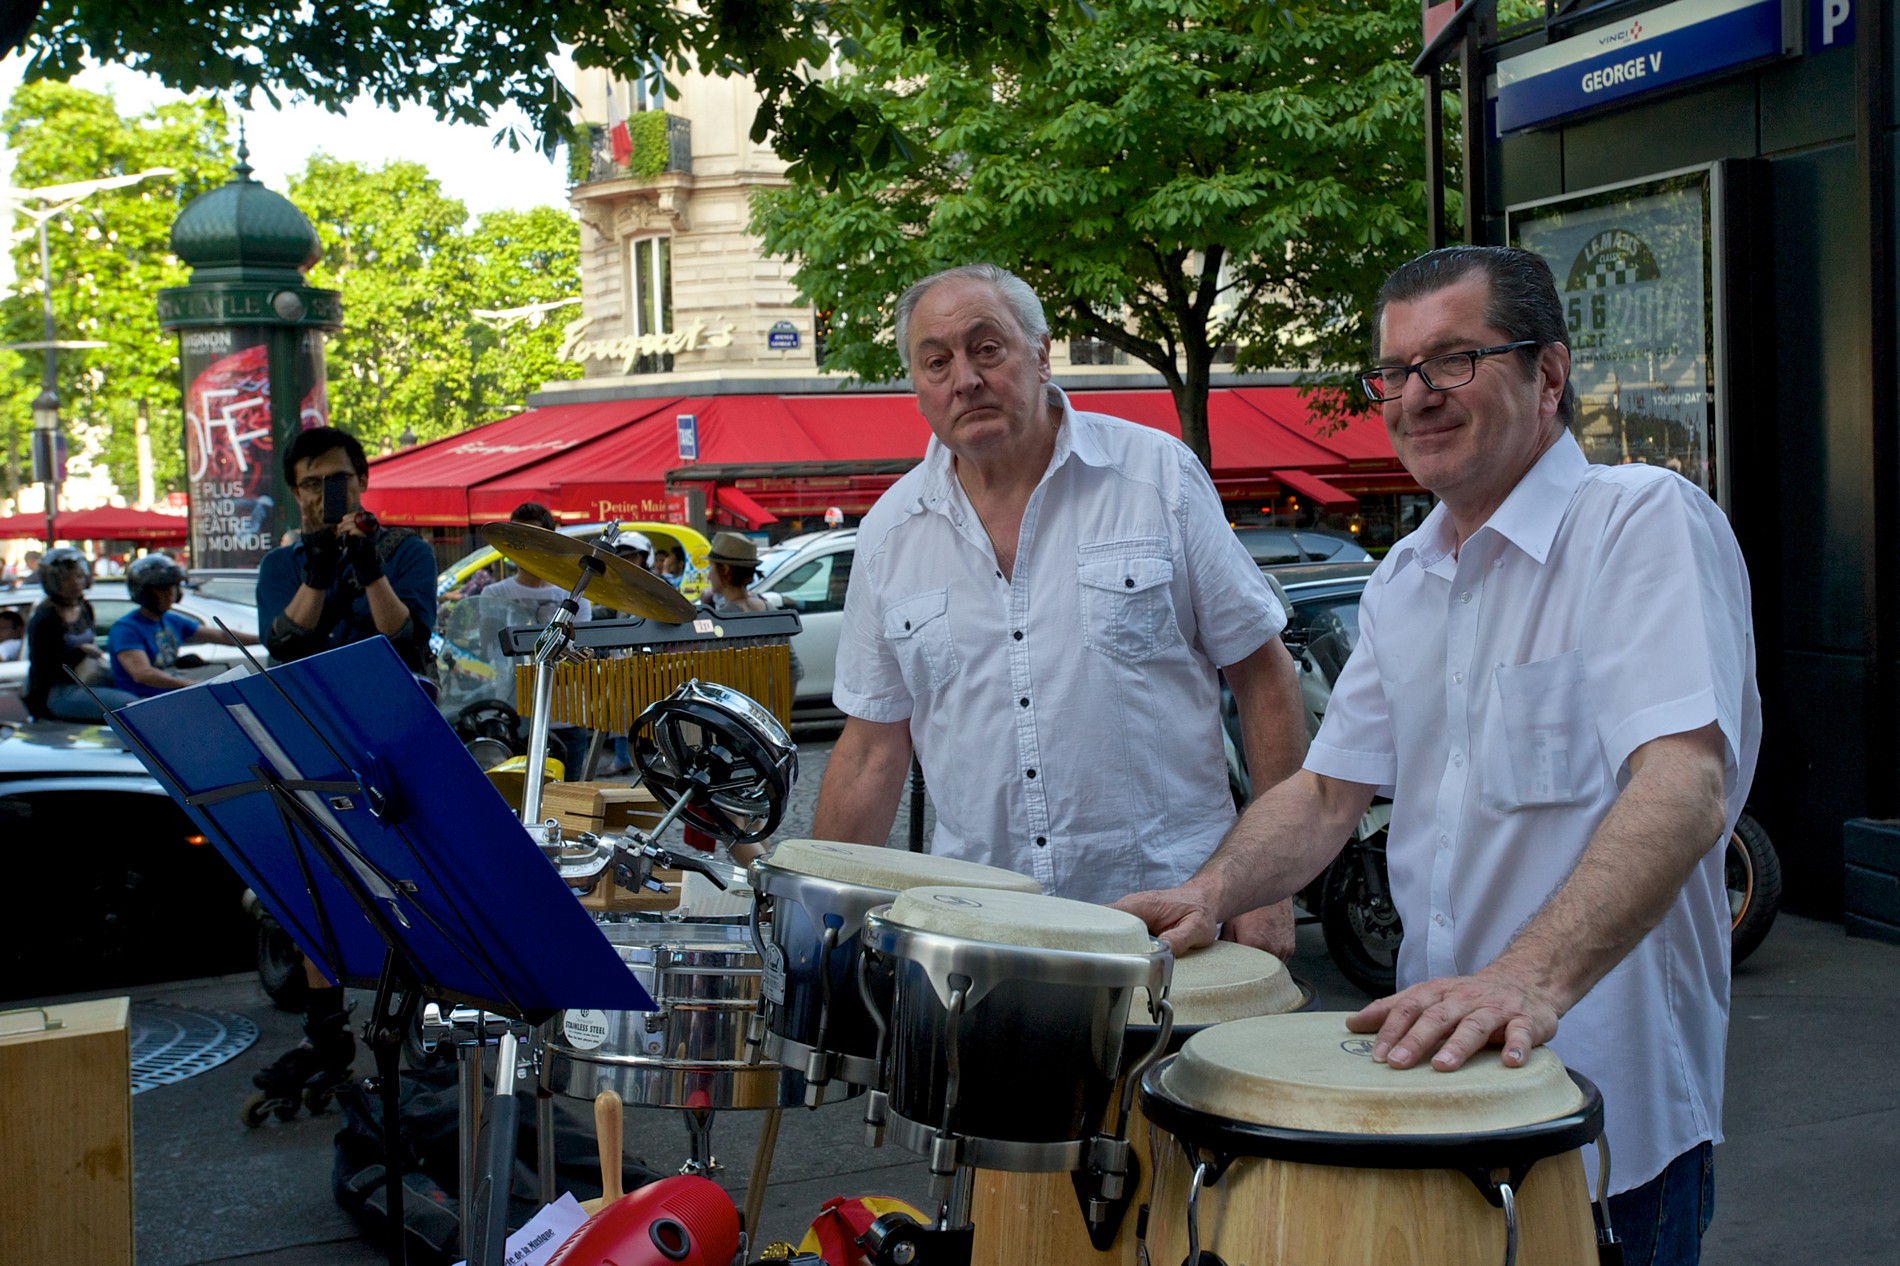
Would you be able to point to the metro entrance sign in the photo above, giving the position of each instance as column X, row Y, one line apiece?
column 1642, row 53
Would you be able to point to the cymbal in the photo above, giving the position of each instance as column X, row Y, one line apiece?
column 559, row 559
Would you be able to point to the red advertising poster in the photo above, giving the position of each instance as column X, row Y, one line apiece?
column 240, row 507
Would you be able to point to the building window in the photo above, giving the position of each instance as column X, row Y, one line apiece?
column 650, row 298
column 647, row 91
column 1086, row 350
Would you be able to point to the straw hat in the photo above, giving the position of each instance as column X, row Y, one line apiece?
column 730, row 547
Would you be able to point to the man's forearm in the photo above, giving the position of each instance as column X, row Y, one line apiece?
column 1266, row 686
column 1286, row 836
column 305, row 608
column 864, row 780
column 1664, row 822
column 385, row 608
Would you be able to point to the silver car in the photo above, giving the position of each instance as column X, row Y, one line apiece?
column 809, row 574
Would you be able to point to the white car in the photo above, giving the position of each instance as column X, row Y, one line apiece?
column 110, row 601
column 809, row 574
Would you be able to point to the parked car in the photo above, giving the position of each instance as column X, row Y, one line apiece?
column 809, row 574
column 114, row 885
column 110, row 601
column 1276, row 546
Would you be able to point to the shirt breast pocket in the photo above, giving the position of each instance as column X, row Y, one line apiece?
column 1127, row 592
column 917, row 630
column 1552, row 751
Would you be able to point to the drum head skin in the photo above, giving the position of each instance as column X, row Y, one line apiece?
column 1020, row 918
column 890, row 869
column 1308, row 1072
column 1227, row 981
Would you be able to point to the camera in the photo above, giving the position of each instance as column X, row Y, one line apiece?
column 336, row 497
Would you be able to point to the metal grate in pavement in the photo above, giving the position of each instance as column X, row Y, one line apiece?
column 172, row 1043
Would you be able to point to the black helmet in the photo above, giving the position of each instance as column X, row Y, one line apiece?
column 55, row 563
column 150, row 576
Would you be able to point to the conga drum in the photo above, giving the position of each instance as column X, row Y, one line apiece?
column 1007, row 1023
column 808, row 924
column 1039, row 1217
column 1281, row 1142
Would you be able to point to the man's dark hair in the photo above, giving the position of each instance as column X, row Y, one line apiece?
column 534, row 514
column 1524, row 300
column 319, row 440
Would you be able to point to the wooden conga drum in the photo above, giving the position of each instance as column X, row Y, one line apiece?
column 1282, row 1143
column 1038, row 1217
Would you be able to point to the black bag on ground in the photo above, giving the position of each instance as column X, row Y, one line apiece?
column 429, row 1119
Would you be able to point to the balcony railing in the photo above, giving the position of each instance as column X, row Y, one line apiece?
column 662, row 145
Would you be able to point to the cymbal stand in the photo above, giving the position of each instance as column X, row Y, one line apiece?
column 471, row 1030
column 556, row 642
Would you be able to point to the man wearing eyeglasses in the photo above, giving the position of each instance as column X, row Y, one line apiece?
column 1556, row 678
column 346, row 579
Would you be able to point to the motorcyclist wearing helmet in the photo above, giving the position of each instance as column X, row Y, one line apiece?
column 143, row 643
column 59, row 636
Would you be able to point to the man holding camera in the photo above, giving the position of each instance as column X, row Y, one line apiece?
column 345, row 580
column 348, row 578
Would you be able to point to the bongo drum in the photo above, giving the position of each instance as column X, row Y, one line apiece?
column 1006, row 1024
column 1280, row 1141
column 1039, row 1217
column 808, row 924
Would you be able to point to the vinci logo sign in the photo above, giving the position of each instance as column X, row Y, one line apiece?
column 1669, row 45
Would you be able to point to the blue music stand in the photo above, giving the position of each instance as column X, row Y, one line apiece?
column 343, row 798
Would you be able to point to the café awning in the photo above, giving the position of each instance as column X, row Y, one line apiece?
column 801, row 453
column 107, row 523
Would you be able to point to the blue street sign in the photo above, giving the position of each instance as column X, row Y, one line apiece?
column 1640, row 54
column 782, row 337
column 688, row 424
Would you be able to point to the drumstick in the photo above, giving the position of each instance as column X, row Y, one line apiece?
column 761, row 1172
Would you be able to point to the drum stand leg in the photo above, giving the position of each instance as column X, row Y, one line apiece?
column 761, row 1171
column 468, row 1086
column 543, row 1115
column 699, row 1124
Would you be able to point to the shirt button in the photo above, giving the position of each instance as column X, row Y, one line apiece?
column 1439, row 919
column 1023, row 702
column 1031, row 774
column 1458, row 759
column 1042, row 841
column 907, row 626
column 1444, row 841
column 999, row 575
column 1457, row 679
column 1128, row 582
column 1465, row 596
column 1018, row 635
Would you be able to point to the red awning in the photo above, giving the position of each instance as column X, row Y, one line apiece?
column 588, row 462
column 750, row 512
column 107, row 523
column 1305, row 485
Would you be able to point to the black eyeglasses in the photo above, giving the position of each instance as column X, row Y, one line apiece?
column 1440, row 373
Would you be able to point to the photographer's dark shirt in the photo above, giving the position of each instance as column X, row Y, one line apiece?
column 409, row 567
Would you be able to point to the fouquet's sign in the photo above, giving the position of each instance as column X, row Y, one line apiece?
column 577, row 347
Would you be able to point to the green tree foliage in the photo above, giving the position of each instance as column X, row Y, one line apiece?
column 412, row 355
column 109, row 255
column 1183, row 175
column 464, row 59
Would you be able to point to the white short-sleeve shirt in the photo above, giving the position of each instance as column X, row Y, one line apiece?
column 1066, row 716
column 1498, row 695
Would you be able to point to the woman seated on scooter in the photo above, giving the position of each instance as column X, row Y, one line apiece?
column 59, row 636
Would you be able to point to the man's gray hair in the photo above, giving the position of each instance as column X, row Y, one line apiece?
column 1015, row 291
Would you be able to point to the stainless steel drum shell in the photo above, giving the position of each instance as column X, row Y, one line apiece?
column 1027, row 1070
column 691, row 1052
column 815, row 928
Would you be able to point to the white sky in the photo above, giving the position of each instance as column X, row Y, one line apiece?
column 483, row 177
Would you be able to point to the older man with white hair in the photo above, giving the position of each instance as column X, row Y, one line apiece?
column 1040, row 610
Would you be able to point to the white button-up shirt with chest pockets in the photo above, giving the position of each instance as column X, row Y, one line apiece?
column 1066, row 716
column 1498, row 693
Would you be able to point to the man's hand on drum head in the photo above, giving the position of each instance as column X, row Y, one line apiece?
column 1458, row 1016
column 1180, row 916
column 1269, row 928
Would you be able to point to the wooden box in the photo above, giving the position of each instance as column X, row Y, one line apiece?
column 66, row 1135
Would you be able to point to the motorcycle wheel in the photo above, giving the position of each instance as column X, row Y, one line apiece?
column 1752, row 872
column 1362, row 934
column 280, row 966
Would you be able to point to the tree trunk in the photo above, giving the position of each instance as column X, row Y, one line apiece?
column 1190, row 399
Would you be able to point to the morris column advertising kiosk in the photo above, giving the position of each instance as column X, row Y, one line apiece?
column 251, row 346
